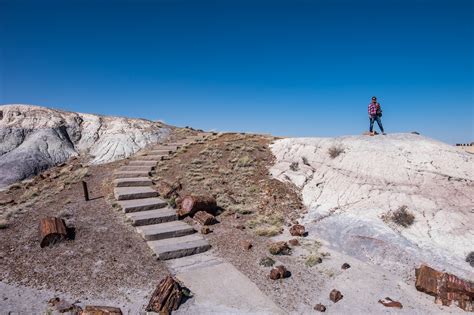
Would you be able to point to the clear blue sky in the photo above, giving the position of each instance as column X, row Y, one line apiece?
column 293, row 68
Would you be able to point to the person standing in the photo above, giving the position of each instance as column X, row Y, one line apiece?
column 375, row 114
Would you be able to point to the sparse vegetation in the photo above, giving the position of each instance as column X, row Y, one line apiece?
column 402, row 217
column 294, row 166
column 313, row 260
column 267, row 225
column 470, row 258
column 335, row 151
column 267, row 262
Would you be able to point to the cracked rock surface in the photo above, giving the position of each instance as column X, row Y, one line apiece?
column 350, row 196
column 34, row 138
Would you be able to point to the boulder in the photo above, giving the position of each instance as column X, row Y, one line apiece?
column 335, row 295
column 297, row 230
column 279, row 272
column 320, row 308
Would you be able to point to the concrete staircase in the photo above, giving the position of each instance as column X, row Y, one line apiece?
column 156, row 222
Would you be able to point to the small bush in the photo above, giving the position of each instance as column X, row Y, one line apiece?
column 403, row 217
column 335, row 151
column 470, row 258
column 266, row 262
column 294, row 166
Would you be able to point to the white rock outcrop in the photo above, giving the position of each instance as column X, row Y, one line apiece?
column 348, row 196
column 34, row 138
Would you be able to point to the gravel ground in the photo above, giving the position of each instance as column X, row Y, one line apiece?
column 234, row 169
column 106, row 260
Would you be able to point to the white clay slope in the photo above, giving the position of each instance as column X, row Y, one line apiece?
column 33, row 138
column 348, row 195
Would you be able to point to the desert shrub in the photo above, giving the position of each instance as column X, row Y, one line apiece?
column 268, row 230
column 402, row 217
column 294, row 166
column 335, row 151
column 266, row 262
column 172, row 202
column 470, row 258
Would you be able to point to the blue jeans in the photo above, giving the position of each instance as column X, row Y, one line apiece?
column 379, row 122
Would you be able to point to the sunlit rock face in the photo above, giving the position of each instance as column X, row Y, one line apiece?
column 34, row 138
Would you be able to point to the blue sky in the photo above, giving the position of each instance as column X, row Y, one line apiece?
column 291, row 68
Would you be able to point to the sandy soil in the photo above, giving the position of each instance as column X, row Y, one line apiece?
column 107, row 260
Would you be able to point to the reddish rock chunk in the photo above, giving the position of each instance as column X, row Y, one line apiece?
column 204, row 218
column 294, row 242
column 335, row 296
column 279, row 272
column 320, row 308
column 445, row 287
column 388, row 302
column 297, row 230
column 345, row 266
column 246, row 245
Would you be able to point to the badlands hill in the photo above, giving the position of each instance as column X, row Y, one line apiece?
column 352, row 186
column 34, row 138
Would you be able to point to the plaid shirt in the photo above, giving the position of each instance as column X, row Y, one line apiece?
column 373, row 108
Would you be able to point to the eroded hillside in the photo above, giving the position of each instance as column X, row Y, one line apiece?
column 34, row 138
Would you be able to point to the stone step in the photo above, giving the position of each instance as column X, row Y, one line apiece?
column 156, row 157
column 159, row 152
column 129, row 193
column 132, row 182
column 131, row 168
column 177, row 247
column 145, row 204
column 129, row 174
column 167, row 147
column 142, row 163
column 165, row 230
column 149, row 217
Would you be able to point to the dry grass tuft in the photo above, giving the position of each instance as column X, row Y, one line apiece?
column 335, row 151
column 267, row 225
column 401, row 217
column 294, row 166
column 470, row 258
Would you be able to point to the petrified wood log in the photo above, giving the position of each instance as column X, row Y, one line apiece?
column 192, row 204
column 166, row 297
column 52, row 231
column 445, row 287
column 204, row 218
column 168, row 190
